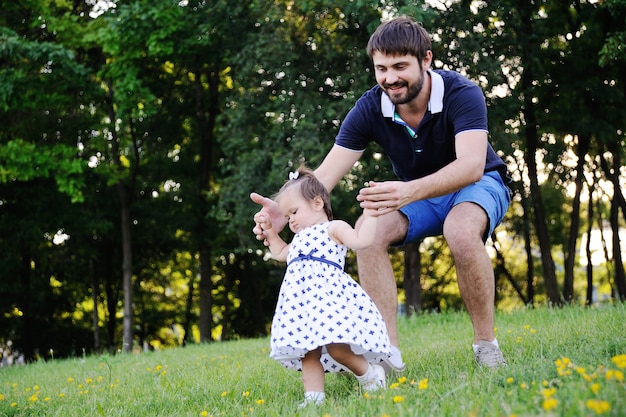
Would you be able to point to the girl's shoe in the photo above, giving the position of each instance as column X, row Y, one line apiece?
column 374, row 379
column 312, row 398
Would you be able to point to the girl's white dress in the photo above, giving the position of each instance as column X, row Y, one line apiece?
column 320, row 304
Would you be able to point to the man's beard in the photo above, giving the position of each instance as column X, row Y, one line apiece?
column 412, row 91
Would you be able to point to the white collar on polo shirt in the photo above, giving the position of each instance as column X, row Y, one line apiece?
column 435, row 104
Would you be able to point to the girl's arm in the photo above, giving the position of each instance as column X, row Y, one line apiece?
column 278, row 247
column 341, row 232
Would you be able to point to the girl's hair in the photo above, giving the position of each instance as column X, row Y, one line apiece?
column 400, row 36
column 310, row 187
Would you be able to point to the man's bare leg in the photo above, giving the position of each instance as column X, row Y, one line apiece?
column 375, row 271
column 463, row 230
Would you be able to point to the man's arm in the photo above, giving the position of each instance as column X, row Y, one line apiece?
column 467, row 168
column 337, row 163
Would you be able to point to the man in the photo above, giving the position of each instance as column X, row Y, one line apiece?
column 432, row 125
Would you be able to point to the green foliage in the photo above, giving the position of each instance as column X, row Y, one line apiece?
column 28, row 162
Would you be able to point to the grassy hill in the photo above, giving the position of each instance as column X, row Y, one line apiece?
column 562, row 362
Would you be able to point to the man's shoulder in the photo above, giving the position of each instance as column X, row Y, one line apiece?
column 372, row 95
column 453, row 77
column 369, row 100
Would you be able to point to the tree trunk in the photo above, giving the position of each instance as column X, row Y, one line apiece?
column 532, row 144
column 570, row 258
column 620, row 279
column 206, row 286
column 26, row 329
column 127, row 269
column 188, row 314
column 95, row 290
column 502, row 270
column 111, row 304
column 530, row 264
column 206, row 117
column 618, row 201
column 412, row 287
column 605, row 249
column 124, row 193
column 590, row 288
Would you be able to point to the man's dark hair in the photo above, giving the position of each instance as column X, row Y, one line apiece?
column 400, row 36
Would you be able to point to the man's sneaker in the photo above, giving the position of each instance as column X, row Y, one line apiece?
column 489, row 355
column 393, row 362
column 376, row 379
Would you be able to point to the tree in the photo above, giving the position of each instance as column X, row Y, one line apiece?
column 42, row 115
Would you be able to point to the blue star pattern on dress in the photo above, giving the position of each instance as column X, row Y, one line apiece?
column 320, row 304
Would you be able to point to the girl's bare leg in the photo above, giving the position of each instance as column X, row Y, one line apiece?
column 313, row 371
column 342, row 353
column 371, row 377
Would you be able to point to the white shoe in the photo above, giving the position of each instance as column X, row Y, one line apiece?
column 312, row 398
column 374, row 379
column 393, row 362
column 489, row 355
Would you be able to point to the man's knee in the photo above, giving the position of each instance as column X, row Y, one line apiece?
column 391, row 229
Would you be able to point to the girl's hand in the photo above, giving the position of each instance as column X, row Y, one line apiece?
column 269, row 209
column 262, row 219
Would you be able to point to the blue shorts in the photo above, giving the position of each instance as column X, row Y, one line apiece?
column 426, row 217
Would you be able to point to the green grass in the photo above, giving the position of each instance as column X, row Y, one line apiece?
column 561, row 363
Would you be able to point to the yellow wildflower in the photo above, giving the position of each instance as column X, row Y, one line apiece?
column 367, row 396
column 510, row 380
column 598, row 406
column 549, row 403
column 620, row 361
column 204, row 413
column 402, row 380
column 563, row 362
column 595, row 388
column 616, row 375
column 246, row 393
column 523, row 385
column 260, row 402
column 398, row 399
column 394, row 385
column 224, row 393
column 548, row 392
column 423, row 384
column 562, row 365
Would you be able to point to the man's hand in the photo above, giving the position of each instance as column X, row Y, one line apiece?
column 269, row 216
column 384, row 197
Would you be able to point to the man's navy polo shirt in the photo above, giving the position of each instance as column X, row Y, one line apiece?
column 456, row 105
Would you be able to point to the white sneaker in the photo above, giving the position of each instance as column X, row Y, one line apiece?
column 374, row 379
column 393, row 362
column 489, row 355
column 312, row 398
